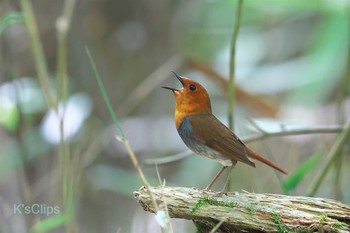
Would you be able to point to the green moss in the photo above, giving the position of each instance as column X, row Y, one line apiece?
column 280, row 226
column 251, row 210
column 199, row 204
column 206, row 200
column 323, row 217
column 338, row 225
column 212, row 201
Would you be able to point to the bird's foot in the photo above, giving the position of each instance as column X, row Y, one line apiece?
column 220, row 193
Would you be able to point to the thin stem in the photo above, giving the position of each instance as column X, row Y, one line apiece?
column 68, row 184
column 104, row 94
column 37, row 50
column 63, row 24
column 332, row 156
column 231, row 90
column 344, row 87
column 340, row 161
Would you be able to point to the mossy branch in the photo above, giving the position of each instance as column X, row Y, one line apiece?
column 250, row 212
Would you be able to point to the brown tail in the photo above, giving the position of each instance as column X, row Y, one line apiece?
column 262, row 159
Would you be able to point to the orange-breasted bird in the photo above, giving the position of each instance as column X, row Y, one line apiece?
column 205, row 135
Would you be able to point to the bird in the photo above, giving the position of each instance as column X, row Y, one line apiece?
column 205, row 135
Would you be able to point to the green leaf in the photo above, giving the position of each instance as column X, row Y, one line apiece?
column 51, row 223
column 296, row 177
column 10, row 18
column 9, row 116
column 104, row 93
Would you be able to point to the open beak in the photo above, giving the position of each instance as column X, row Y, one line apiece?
column 179, row 78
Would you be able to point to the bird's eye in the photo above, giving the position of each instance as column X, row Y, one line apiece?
column 192, row 87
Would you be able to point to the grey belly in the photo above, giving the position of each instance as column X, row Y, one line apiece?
column 185, row 132
column 207, row 152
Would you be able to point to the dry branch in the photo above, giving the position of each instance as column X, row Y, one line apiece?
column 250, row 212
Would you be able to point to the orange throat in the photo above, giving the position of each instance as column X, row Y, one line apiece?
column 181, row 115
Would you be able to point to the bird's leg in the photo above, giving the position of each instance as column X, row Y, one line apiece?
column 223, row 190
column 215, row 178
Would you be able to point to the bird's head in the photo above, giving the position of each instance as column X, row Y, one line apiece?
column 191, row 99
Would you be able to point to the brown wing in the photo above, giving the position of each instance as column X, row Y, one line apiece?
column 211, row 132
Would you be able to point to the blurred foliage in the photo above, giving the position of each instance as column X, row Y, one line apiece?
column 294, row 55
column 294, row 179
column 10, row 18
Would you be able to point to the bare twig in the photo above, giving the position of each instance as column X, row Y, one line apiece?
column 256, row 126
column 168, row 159
column 283, row 133
column 258, row 137
column 217, row 226
column 148, row 84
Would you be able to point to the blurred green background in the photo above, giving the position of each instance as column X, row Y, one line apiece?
column 292, row 72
